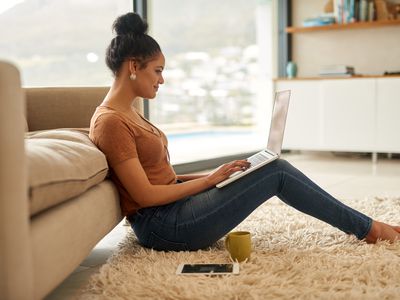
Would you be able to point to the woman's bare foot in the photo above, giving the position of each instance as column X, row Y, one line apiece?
column 382, row 231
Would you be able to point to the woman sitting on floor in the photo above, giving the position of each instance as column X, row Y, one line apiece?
column 187, row 212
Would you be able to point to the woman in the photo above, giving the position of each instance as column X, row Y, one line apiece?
column 186, row 212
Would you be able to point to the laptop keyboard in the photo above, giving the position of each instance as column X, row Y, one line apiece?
column 254, row 160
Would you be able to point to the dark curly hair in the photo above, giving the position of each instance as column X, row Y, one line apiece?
column 131, row 41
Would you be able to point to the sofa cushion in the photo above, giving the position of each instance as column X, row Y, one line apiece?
column 62, row 163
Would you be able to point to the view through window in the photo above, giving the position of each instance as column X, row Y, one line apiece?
column 217, row 96
column 59, row 43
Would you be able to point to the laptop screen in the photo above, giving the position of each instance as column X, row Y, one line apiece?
column 278, row 121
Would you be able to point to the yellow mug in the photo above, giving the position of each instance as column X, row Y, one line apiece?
column 238, row 244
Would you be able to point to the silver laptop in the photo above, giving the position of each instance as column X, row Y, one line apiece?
column 275, row 139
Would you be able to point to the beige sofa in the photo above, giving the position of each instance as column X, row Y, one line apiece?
column 56, row 202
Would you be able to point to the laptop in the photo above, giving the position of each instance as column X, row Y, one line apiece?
column 275, row 139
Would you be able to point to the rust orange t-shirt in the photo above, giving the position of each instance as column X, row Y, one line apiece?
column 120, row 138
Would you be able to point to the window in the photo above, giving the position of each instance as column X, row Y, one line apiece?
column 216, row 100
column 59, row 43
column 218, row 92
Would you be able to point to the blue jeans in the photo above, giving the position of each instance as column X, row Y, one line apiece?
column 198, row 221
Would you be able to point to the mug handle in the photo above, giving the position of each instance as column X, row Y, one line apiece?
column 227, row 243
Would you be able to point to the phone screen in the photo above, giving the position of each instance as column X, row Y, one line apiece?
column 207, row 268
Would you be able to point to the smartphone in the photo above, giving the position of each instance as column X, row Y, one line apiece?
column 208, row 269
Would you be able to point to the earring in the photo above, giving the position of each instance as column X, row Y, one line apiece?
column 132, row 76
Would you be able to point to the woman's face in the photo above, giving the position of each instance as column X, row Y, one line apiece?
column 149, row 78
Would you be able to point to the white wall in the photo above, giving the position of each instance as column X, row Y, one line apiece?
column 371, row 51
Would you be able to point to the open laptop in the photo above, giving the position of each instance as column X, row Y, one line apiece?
column 275, row 139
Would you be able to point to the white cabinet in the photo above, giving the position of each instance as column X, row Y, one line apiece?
column 388, row 115
column 355, row 114
column 304, row 112
column 348, row 114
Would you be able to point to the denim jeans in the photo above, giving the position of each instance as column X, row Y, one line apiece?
column 198, row 221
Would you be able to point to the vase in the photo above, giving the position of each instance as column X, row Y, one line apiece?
column 291, row 69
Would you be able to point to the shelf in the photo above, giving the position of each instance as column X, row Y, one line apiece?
column 335, row 77
column 356, row 25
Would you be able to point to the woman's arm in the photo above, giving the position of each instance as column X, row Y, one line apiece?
column 132, row 176
column 187, row 177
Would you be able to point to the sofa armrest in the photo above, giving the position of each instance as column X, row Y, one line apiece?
column 16, row 274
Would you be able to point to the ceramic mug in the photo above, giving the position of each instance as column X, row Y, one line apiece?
column 238, row 244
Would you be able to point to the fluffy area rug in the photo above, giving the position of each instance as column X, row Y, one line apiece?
column 294, row 257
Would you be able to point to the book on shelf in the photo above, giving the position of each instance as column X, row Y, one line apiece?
column 363, row 11
column 337, row 70
column 321, row 20
column 337, row 75
column 349, row 11
column 344, row 11
column 371, row 11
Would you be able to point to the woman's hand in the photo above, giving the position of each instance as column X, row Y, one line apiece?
column 226, row 170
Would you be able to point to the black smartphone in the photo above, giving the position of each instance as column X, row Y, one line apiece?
column 208, row 269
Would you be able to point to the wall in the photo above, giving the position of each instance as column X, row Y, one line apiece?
column 370, row 51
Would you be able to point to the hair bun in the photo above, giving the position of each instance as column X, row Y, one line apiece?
column 130, row 23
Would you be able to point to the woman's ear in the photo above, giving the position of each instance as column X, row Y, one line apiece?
column 133, row 66
column 132, row 69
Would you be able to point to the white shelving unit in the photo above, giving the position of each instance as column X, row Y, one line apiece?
column 348, row 114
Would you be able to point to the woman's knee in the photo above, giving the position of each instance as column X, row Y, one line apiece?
column 282, row 164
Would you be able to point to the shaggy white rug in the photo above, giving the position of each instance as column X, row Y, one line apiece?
column 295, row 257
